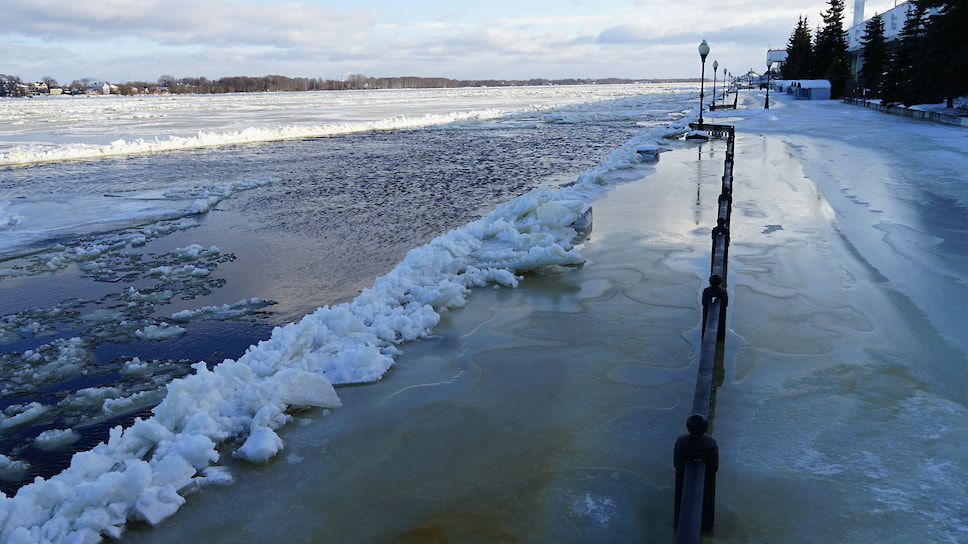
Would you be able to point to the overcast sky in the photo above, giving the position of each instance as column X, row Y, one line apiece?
column 130, row 40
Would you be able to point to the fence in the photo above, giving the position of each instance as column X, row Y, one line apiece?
column 724, row 105
column 940, row 117
column 696, row 454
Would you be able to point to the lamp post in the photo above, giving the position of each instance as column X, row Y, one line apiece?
column 725, row 87
column 703, row 51
column 769, row 63
column 712, row 107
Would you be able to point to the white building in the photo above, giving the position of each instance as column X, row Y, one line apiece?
column 99, row 88
column 776, row 58
column 893, row 23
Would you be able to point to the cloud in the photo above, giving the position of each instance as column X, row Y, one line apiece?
column 141, row 39
column 624, row 35
column 182, row 22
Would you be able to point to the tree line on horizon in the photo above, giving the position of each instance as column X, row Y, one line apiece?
column 9, row 85
column 275, row 83
column 927, row 63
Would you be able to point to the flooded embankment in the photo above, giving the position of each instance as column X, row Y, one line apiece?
column 548, row 412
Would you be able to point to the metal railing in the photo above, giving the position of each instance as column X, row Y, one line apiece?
column 940, row 117
column 696, row 454
column 724, row 105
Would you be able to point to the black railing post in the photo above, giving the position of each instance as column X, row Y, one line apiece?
column 690, row 448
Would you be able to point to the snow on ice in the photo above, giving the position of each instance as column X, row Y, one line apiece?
column 143, row 126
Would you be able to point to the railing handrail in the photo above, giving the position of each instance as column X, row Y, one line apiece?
column 707, row 359
column 696, row 455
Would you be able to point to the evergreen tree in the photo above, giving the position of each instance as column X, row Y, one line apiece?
column 907, row 77
column 830, row 49
column 946, row 48
column 799, row 61
column 874, row 52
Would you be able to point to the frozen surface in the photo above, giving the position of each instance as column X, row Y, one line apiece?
column 66, row 127
column 847, row 389
column 29, row 220
column 142, row 471
column 548, row 412
column 895, row 187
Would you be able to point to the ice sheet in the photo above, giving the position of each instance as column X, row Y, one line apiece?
column 66, row 127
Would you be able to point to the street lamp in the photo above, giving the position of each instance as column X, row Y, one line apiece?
column 703, row 51
column 769, row 64
column 715, row 69
column 725, row 87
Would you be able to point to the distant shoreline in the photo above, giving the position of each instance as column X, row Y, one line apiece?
column 275, row 83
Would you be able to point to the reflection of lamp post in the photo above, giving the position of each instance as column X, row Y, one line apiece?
column 725, row 87
column 697, row 211
column 715, row 69
column 703, row 51
column 769, row 64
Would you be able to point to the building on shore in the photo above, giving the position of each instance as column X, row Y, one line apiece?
column 893, row 23
column 775, row 59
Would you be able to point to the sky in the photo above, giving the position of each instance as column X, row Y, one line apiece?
column 141, row 40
